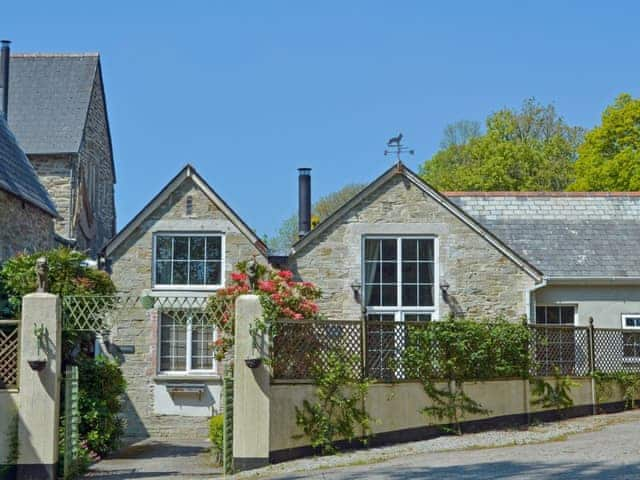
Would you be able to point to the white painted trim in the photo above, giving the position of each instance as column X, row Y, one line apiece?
column 201, row 288
column 399, row 311
column 624, row 316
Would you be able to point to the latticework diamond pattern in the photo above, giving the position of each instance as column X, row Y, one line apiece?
column 301, row 347
column 617, row 350
column 8, row 354
column 100, row 313
column 563, row 349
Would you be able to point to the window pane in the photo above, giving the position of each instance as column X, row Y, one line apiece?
column 180, row 273
column 409, row 249
column 371, row 249
column 372, row 272
column 180, row 248
column 372, row 295
column 425, row 250
column 197, row 248
column 163, row 248
column 196, row 273
column 380, row 317
column 541, row 315
column 632, row 322
column 389, row 249
column 567, row 315
column 173, row 336
column 426, row 272
column 389, row 272
column 553, row 315
column 389, row 295
column 409, row 295
column 163, row 273
column 425, row 294
column 201, row 346
column 214, row 248
column 417, row 317
column 213, row 273
column 409, row 272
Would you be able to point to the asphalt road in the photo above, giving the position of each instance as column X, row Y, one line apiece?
column 612, row 453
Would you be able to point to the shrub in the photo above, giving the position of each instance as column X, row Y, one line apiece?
column 216, row 435
column 100, row 400
column 67, row 276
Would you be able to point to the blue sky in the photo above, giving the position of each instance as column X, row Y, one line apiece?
column 249, row 91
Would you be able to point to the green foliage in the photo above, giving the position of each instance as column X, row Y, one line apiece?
column 339, row 408
column 455, row 351
column 609, row 158
column 628, row 383
column 288, row 232
column 100, row 400
column 529, row 149
column 555, row 395
column 216, row 435
column 67, row 276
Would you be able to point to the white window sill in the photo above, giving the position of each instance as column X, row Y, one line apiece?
column 169, row 377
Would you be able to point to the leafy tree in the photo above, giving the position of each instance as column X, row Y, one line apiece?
column 528, row 149
column 460, row 133
column 609, row 158
column 288, row 232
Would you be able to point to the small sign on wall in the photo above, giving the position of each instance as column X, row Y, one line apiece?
column 127, row 349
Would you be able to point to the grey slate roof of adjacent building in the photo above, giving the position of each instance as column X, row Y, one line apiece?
column 564, row 234
column 49, row 98
column 17, row 175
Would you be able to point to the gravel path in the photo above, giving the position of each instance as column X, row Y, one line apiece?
column 600, row 447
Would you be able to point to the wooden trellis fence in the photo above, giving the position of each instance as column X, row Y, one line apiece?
column 9, row 347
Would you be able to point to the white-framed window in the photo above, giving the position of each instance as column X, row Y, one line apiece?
column 188, row 260
column 400, row 277
column 186, row 343
column 556, row 314
column 557, row 347
column 631, row 336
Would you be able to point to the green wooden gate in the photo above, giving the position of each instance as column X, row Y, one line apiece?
column 71, row 421
column 227, row 439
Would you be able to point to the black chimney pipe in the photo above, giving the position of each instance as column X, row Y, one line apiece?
column 4, row 76
column 304, row 201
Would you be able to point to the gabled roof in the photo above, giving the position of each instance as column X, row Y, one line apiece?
column 49, row 96
column 187, row 172
column 17, row 175
column 401, row 169
column 565, row 235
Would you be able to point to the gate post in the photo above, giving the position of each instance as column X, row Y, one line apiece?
column 40, row 341
column 251, row 391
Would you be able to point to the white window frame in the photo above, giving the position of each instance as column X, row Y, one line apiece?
column 400, row 311
column 188, row 351
column 627, row 329
column 188, row 287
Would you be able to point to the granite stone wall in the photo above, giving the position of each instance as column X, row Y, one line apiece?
column 484, row 283
column 23, row 227
column 131, row 265
column 54, row 171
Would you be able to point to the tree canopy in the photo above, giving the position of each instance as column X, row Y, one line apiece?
column 609, row 158
column 325, row 206
column 532, row 148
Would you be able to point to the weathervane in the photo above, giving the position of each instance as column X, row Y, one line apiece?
column 396, row 147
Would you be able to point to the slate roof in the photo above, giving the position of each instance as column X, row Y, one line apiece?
column 564, row 234
column 17, row 175
column 49, row 98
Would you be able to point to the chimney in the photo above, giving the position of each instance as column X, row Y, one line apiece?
column 4, row 76
column 304, row 201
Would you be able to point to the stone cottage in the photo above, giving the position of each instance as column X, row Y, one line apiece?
column 27, row 213
column 57, row 111
column 184, row 243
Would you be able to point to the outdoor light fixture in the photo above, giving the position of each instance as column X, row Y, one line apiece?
column 356, row 286
column 444, row 286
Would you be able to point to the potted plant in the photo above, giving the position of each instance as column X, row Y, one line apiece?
column 38, row 363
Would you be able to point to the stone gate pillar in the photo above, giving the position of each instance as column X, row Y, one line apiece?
column 39, row 409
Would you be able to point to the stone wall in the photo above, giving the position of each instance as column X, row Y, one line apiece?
column 131, row 265
column 95, row 157
column 483, row 282
column 54, row 171
column 23, row 227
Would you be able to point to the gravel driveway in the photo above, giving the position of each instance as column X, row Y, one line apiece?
column 590, row 448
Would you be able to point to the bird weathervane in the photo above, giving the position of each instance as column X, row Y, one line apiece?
column 395, row 146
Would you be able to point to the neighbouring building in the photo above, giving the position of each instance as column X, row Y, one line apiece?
column 57, row 111
column 27, row 213
column 184, row 243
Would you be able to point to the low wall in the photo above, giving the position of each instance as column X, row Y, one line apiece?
column 8, row 410
column 396, row 410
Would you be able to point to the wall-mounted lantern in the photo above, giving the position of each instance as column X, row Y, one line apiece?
column 356, row 288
